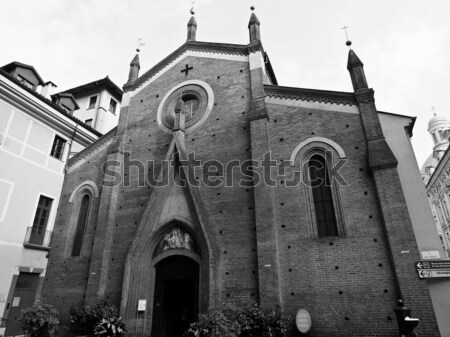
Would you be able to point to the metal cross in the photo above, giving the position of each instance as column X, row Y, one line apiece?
column 186, row 70
column 140, row 44
column 433, row 110
column 192, row 9
column 345, row 29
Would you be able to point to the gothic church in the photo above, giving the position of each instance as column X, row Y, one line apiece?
column 220, row 185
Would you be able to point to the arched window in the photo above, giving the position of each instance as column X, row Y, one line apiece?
column 83, row 215
column 322, row 197
column 322, row 161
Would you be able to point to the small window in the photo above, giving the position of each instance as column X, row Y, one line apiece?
column 88, row 121
column 112, row 106
column 25, row 82
column 434, row 138
column 68, row 110
column 92, row 102
column 40, row 220
column 58, row 147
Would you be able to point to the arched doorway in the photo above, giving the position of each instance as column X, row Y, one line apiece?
column 176, row 296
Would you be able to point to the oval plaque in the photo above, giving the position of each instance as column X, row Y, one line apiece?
column 303, row 320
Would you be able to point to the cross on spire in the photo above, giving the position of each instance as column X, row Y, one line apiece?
column 345, row 29
column 433, row 108
column 186, row 70
column 140, row 43
column 192, row 9
column 348, row 42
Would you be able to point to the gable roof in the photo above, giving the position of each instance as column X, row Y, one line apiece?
column 208, row 47
column 94, row 87
column 66, row 95
column 11, row 66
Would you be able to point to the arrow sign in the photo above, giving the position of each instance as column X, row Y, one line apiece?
column 432, row 273
column 429, row 264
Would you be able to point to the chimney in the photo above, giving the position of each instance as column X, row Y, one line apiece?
column 48, row 89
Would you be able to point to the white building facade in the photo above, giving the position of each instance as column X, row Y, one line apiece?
column 37, row 136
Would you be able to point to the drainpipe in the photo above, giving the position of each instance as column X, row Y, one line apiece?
column 98, row 109
column 70, row 148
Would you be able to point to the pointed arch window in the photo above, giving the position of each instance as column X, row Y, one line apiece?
column 322, row 161
column 83, row 216
column 322, row 197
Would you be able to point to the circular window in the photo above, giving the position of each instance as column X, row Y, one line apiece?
column 197, row 100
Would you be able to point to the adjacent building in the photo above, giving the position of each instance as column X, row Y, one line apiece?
column 39, row 132
column 218, row 185
column 436, row 176
column 99, row 103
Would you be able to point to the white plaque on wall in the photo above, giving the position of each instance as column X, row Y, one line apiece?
column 431, row 255
column 303, row 320
column 16, row 301
column 142, row 305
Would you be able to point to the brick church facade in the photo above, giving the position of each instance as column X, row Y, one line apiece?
column 219, row 185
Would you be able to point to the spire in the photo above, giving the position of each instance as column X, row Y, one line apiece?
column 134, row 69
column 253, row 27
column 191, row 28
column 356, row 69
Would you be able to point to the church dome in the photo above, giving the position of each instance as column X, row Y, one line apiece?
column 438, row 122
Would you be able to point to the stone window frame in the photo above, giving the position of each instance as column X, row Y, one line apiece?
column 300, row 157
column 85, row 188
column 198, row 88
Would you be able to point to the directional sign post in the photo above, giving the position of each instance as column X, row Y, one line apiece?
column 432, row 269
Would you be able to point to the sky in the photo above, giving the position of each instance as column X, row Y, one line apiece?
column 404, row 44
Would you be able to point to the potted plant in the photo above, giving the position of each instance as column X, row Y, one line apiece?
column 110, row 327
column 39, row 321
column 84, row 321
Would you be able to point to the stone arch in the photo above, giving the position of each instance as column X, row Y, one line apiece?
column 89, row 186
column 317, row 142
column 140, row 268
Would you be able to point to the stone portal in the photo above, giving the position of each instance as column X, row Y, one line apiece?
column 176, row 300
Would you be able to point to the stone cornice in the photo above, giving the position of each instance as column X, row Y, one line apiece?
column 28, row 103
column 325, row 96
column 46, row 102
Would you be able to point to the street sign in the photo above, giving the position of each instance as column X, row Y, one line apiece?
column 431, row 269
column 438, row 264
column 431, row 273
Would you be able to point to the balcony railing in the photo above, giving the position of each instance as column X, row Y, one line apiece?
column 36, row 240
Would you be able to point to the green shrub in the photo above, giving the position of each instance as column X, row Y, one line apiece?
column 110, row 327
column 84, row 321
column 39, row 321
column 232, row 321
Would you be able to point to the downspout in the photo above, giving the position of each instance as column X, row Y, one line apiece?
column 70, row 148
column 98, row 109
